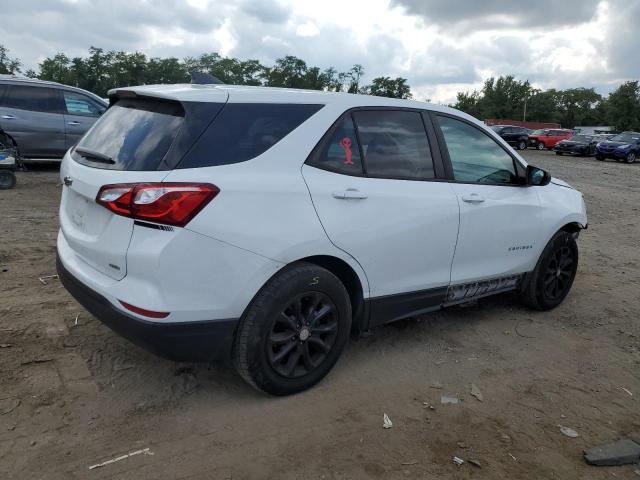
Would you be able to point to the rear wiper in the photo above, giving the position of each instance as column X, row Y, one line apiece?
column 93, row 155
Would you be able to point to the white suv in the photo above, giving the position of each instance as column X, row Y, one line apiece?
column 262, row 225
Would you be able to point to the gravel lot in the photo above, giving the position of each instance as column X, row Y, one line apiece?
column 74, row 394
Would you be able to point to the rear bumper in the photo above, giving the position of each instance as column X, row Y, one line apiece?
column 202, row 341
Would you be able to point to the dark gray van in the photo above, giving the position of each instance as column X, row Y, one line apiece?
column 45, row 118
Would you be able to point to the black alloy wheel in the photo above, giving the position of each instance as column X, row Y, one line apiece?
column 550, row 282
column 294, row 330
column 302, row 335
column 559, row 274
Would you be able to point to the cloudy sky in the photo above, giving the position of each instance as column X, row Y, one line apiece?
column 440, row 46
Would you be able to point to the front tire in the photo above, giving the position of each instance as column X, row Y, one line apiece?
column 551, row 280
column 7, row 180
column 294, row 330
column 522, row 145
column 631, row 157
column 600, row 157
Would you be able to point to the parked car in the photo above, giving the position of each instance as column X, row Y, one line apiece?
column 577, row 145
column 547, row 138
column 622, row 147
column 262, row 226
column 45, row 119
column 515, row 136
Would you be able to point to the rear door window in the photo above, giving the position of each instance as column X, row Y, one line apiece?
column 339, row 151
column 38, row 99
column 243, row 131
column 134, row 134
column 394, row 144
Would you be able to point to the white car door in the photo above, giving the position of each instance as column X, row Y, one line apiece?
column 500, row 216
column 387, row 210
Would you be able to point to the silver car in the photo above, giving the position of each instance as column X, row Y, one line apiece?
column 45, row 119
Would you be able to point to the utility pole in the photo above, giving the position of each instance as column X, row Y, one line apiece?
column 524, row 114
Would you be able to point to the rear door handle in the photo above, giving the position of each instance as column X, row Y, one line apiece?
column 349, row 194
column 8, row 117
column 473, row 198
column 73, row 122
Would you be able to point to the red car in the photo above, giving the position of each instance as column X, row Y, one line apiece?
column 547, row 138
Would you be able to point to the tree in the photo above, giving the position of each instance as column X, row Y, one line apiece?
column 623, row 107
column 8, row 64
column 389, row 87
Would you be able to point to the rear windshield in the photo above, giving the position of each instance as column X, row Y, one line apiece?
column 134, row 134
column 243, row 131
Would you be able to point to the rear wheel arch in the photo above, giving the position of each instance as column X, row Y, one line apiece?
column 349, row 278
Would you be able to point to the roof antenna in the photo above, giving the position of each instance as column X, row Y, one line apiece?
column 201, row 78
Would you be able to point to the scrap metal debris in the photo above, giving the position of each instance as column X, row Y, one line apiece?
column 475, row 392
column 146, row 451
column 474, row 462
column 626, row 391
column 622, row 452
column 458, row 461
column 445, row 399
column 386, row 421
column 43, row 279
column 569, row 432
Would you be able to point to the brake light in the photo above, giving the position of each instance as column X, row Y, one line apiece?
column 167, row 203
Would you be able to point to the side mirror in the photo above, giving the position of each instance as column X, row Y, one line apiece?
column 537, row 176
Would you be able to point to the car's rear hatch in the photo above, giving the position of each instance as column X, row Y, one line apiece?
column 139, row 139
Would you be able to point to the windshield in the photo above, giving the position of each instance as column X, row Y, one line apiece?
column 496, row 128
column 538, row 132
column 626, row 137
column 581, row 138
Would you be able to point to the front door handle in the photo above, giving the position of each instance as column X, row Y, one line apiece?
column 349, row 194
column 8, row 117
column 473, row 198
column 73, row 122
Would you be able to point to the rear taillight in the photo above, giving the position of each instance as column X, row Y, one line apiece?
column 166, row 203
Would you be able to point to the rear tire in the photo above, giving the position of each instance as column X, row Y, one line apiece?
column 551, row 280
column 599, row 157
column 7, row 180
column 540, row 146
column 559, row 153
column 631, row 157
column 294, row 330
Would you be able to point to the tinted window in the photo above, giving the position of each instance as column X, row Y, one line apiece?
column 135, row 134
column 39, row 99
column 339, row 151
column 78, row 104
column 475, row 157
column 243, row 131
column 394, row 144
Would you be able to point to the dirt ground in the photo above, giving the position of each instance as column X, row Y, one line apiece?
column 74, row 394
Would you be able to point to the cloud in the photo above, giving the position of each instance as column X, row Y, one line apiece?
column 471, row 15
column 440, row 46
